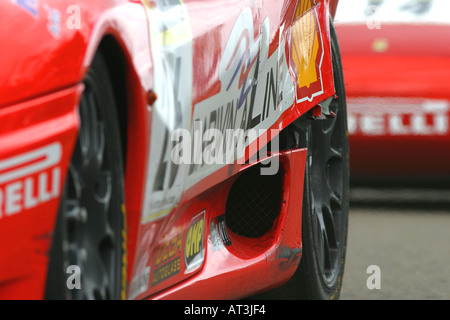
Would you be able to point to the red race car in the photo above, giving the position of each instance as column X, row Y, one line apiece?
column 397, row 70
column 171, row 149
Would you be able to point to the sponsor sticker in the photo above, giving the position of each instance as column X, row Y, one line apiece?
column 30, row 6
column 139, row 283
column 398, row 116
column 170, row 247
column 307, row 53
column 194, row 253
column 218, row 233
column 166, row 271
column 168, row 254
column 256, row 88
column 54, row 16
column 171, row 45
column 30, row 179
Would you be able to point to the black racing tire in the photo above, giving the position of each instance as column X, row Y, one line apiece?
column 325, row 199
column 90, row 231
column 326, row 202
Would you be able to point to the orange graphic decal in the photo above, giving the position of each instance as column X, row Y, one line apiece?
column 302, row 7
column 307, row 52
column 305, row 46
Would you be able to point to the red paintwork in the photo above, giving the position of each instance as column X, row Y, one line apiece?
column 415, row 64
column 333, row 7
column 251, row 261
column 39, row 92
column 26, row 236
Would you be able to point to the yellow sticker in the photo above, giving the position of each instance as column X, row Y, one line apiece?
column 305, row 46
column 302, row 7
column 169, row 22
column 194, row 251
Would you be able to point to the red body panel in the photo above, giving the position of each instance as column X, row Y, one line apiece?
column 268, row 261
column 396, row 80
column 37, row 67
column 40, row 86
column 30, row 199
column 204, row 193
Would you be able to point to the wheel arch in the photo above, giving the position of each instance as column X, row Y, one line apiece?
column 130, row 95
column 116, row 61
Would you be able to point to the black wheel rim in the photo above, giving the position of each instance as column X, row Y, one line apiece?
column 89, row 237
column 328, row 165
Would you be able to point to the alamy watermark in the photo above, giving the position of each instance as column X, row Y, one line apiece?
column 215, row 147
column 374, row 280
column 74, row 279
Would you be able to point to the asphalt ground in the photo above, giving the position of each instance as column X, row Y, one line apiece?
column 398, row 245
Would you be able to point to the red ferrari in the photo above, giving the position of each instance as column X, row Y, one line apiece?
column 172, row 149
column 396, row 61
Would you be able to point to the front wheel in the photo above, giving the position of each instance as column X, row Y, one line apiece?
column 88, row 254
column 325, row 199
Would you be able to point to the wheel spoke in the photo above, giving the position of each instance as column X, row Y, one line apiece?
column 95, row 275
column 320, row 241
column 72, row 212
column 335, row 200
column 327, row 180
column 100, row 143
column 327, row 264
column 103, row 187
column 329, row 227
column 322, row 245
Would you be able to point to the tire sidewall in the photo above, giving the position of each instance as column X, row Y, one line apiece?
column 56, row 286
column 317, row 286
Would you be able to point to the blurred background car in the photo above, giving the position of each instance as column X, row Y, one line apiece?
column 396, row 61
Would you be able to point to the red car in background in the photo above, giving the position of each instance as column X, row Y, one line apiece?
column 396, row 58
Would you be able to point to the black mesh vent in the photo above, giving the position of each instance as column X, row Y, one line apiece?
column 253, row 203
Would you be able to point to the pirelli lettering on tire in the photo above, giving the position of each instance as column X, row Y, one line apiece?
column 193, row 249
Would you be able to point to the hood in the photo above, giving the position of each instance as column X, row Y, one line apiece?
column 42, row 47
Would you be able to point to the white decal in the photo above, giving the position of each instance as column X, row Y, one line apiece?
column 255, row 89
column 398, row 116
column 171, row 43
column 139, row 283
column 375, row 13
column 29, row 179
